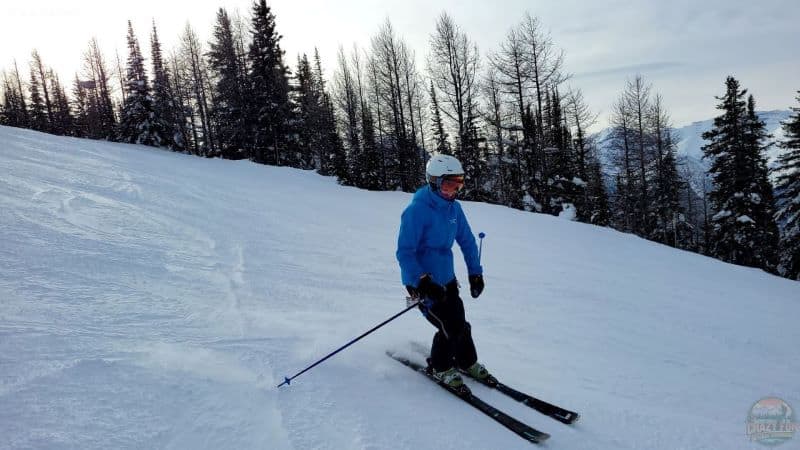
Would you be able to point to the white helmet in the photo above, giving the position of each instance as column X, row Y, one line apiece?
column 440, row 165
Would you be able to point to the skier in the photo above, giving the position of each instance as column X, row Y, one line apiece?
column 428, row 227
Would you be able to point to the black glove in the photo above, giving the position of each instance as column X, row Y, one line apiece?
column 475, row 285
column 426, row 288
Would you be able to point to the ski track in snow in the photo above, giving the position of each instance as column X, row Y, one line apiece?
column 155, row 300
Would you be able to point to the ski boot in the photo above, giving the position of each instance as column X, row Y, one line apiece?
column 449, row 377
column 478, row 371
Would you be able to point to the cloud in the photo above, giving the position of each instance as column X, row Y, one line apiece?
column 649, row 68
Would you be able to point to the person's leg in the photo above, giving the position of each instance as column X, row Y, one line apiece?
column 452, row 344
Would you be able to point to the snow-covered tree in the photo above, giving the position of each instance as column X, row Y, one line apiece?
column 788, row 196
column 138, row 122
column 743, row 231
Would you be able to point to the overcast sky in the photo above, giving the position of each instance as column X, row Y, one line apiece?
column 685, row 48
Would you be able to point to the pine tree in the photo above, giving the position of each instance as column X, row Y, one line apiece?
column 80, row 105
column 38, row 111
column 331, row 151
column 788, row 195
column 101, row 119
column 269, row 87
column 164, row 102
column 440, row 137
column 63, row 120
column 23, row 115
column 598, row 205
column 370, row 165
column 38, row 67
column 667, row 221
column 138, row 121
column 564, row 190
column 758, row 141
column 332, row 143
column 14, row 108
column 229, row 108
column 307, row 121
column 743, row 231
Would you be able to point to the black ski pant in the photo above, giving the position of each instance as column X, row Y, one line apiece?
column 452, row 343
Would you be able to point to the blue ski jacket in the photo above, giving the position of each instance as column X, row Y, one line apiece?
column 428, row 227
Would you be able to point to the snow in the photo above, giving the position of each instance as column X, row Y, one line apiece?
column 155, row 300
column 722, row 215
column 745, row 219
column 578, row 182
column 568, row 212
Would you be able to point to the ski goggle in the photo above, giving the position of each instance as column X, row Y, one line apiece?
column 449, row 186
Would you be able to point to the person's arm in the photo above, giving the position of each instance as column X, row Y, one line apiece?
column 407, row 243
column 466, row 240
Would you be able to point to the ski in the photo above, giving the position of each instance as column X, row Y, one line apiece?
column 556, row 412
column 526, row 432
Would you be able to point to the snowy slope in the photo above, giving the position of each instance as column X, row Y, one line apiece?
column 154, row 300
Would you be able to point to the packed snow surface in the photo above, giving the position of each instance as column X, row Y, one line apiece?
column 150, row 299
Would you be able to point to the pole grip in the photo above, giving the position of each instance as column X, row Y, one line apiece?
column 481, row 235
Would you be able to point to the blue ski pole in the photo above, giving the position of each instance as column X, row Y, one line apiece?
column 481, row 235
column 288, row 380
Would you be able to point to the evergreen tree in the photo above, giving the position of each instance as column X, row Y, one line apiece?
column 39, row 120
column 269, row 88
column 597, row 195
column 164, row 102
column 347, row 95
column 80, row 104
column 788, row 190
column 38, row 67
column 743, row 231
column 565, row 191
column 101, row 119
column 440, row 137
column 138, row 121
column 14, row 108
column 63, row 121
column 332, row 144
column 307, row 121
column 23, row 115
column 229, row 108
column 370, row 164
column 668, row 223
column 670, row 226
column 331, row 151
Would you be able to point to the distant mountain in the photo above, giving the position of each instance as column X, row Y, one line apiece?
column 690, row 141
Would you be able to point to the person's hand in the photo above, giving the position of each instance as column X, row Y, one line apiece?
column 427, row 288
column 475, row 285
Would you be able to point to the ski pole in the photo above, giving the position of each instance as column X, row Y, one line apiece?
column 288, row 380
column 481, row 235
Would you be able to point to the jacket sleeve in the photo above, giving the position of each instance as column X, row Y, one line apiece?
column 407, row 243
column 466, row 240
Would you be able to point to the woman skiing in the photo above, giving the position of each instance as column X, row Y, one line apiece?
column 428, row 228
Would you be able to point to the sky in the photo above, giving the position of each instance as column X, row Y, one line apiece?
column 685, row 48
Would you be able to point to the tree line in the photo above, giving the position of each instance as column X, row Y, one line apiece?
column 510, row 116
